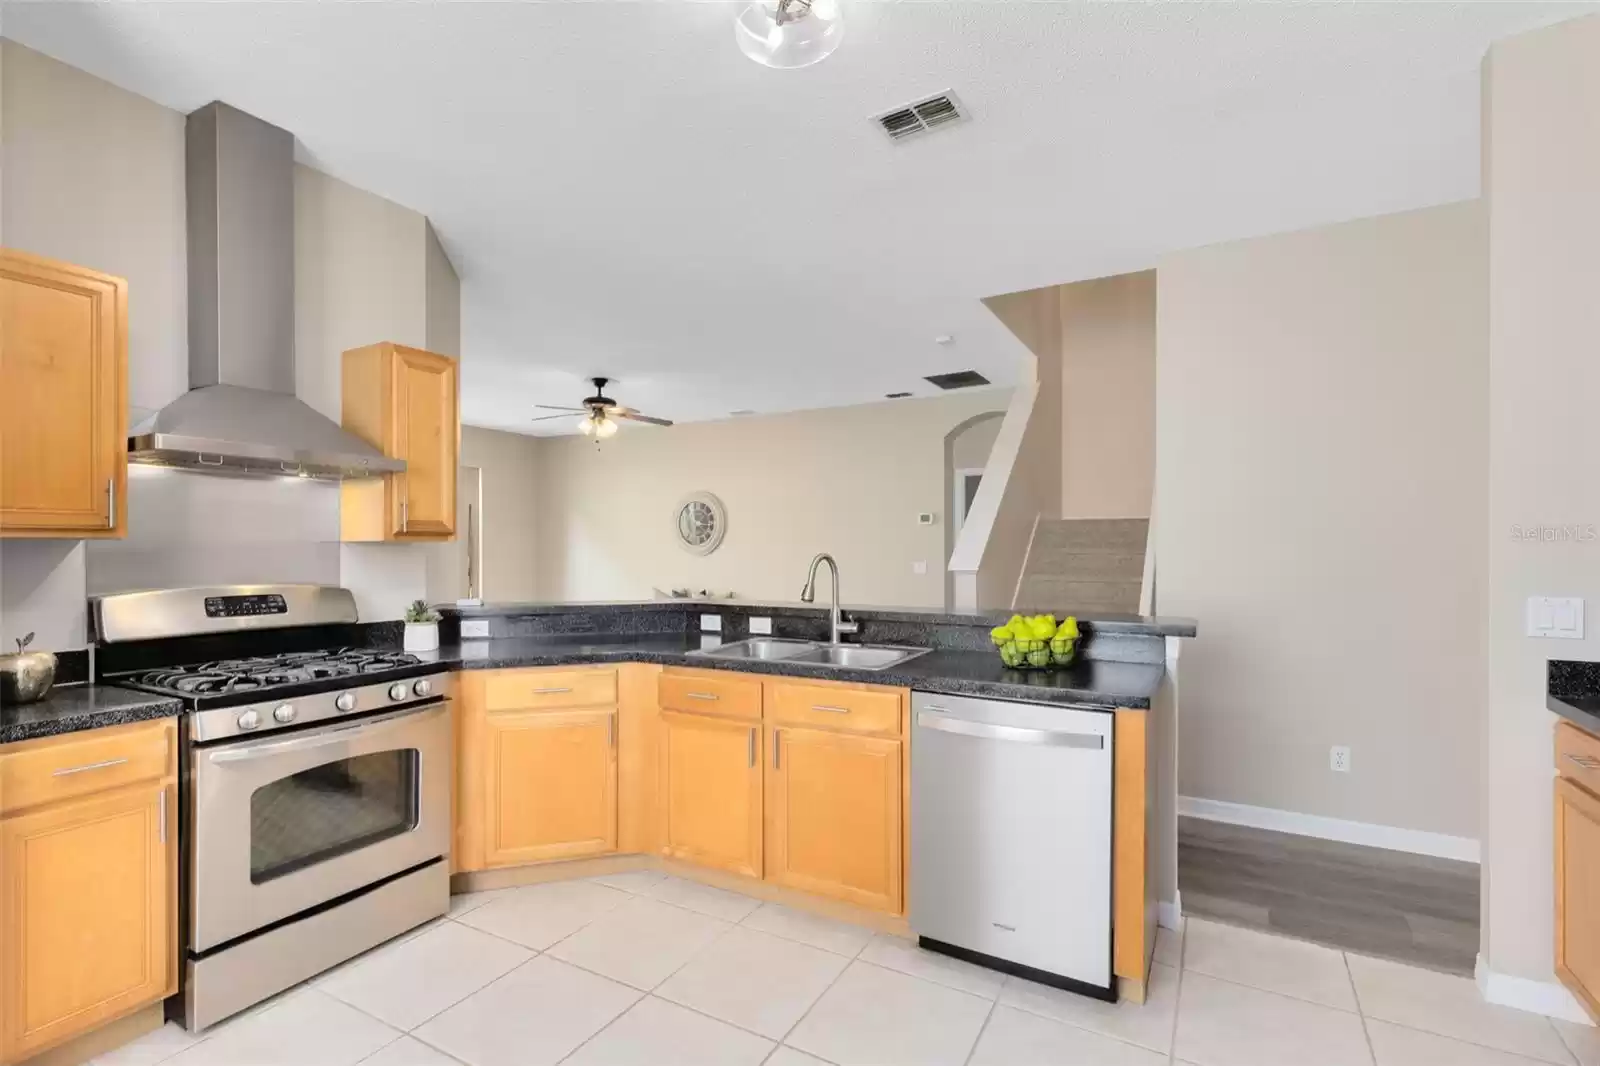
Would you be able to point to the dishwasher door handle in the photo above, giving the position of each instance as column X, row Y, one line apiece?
column 947, row 723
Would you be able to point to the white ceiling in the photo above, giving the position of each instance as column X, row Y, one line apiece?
column 624, row 193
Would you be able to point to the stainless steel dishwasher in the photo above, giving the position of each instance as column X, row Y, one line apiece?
column 1011, row 837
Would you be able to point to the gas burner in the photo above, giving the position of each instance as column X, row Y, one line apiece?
column 265, row 672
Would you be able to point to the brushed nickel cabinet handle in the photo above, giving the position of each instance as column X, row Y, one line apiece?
column 550, row 691
column 111, row 503
column 405, row 516
column 163, row 816
column 752, row 747
column 1588, row 762
column 87, row 767
column 776, row 736
column 702, row 695
column 830, row 710
column 611, row 730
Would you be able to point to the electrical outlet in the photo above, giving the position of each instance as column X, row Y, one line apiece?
column 1339, row 759
column 760, row 627
column 474, row 627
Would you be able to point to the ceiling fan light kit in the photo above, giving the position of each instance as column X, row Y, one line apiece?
column 599, row 414
column 789, row 34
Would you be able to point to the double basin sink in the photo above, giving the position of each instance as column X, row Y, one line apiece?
column 813, row 653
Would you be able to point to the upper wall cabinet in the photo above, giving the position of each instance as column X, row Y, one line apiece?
column 404, row 401
column 64, row 399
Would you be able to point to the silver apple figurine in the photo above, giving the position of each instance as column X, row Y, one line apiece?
column 27, row 675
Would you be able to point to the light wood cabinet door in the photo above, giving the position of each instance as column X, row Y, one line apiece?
column 63, row 406
column 711, row 791
column 87, row 894
column 550, row 780
column 427, row 437
column 834, row 815
column 1577, row 839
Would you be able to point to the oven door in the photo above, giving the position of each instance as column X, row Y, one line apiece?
column 280, row 826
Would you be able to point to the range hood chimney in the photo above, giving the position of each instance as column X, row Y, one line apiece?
column 240, row 415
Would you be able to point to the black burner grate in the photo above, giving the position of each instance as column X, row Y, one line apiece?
column 244, row 675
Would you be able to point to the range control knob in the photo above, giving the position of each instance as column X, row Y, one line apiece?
column 345, row 701
column 284, row 713
column 423, row 688
column 249, row 720
column 398, row 691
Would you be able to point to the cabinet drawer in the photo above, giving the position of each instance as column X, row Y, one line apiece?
column 515, row 690
column 59, row 768
column 852, row 709
column 709, row 692
column 1578, row 756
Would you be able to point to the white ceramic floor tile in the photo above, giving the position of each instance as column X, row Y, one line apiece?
column 1395, row 1045
column 788, row 1056
column 539, row 915
column 410, row 1052
column 640, row 943
column 411, row 983
column 1272, row 963
column 639, row 882
column 656, row 1033
column 1450, row 1006
column 1582, row 1040
column 466, row 901
column 1169, row 947
column 307, row 1029
column 754, row 980
column 729, row 906
column 534, row 1015
column 877, row 1017
column 898, row 953
column 151, row 1048
column 1015, row 1037
column 839, row 937
column 1224, row 1024
column 1148, row 1025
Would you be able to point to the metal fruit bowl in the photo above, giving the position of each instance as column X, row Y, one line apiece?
column 1035, row 655
column 26, row 676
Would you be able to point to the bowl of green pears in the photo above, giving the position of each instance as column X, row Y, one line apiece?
column 1036, row 643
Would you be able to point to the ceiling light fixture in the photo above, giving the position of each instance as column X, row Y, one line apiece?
column 597, row 426
column 789, row 33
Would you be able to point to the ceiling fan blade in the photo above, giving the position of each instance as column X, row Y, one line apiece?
column 635, row 416
column 546, row 418
column 553, row 407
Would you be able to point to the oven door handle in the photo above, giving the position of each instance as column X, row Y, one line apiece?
column 321, row 738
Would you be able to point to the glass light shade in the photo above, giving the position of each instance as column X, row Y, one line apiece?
column 605, row 428
column 806, row 36
column 586, row 426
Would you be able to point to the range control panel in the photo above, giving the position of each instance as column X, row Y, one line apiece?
column 244, row 606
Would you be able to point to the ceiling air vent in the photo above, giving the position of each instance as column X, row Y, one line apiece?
column 922, row 116
column 961, row 379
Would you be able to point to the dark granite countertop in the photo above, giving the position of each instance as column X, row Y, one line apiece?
column 1573, row 691
column 1581, row 711
column 73, row 708
column 953, row 673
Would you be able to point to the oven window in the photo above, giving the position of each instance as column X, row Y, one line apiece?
column 331, row 810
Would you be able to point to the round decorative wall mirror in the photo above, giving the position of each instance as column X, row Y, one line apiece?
column 700, row 521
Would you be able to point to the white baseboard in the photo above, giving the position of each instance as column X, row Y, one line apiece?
column 1170, row 914
column 1311, row 825
column 1549, row 998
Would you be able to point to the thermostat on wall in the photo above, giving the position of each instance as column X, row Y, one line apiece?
column 924, row 518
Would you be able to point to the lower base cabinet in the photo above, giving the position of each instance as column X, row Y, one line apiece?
column 550, row 785
column 835, row 816
column 711, row 791
column 1577, row 837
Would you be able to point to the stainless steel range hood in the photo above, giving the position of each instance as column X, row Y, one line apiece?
column 240, row 414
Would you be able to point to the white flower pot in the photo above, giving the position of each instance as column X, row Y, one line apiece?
column 422, row 636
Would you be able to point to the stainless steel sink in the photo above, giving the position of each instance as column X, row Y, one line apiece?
column 858, row 656
column 760, row 648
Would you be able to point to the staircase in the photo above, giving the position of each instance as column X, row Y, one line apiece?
column 1084, row 566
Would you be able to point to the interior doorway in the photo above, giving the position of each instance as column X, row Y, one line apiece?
column 962, row 492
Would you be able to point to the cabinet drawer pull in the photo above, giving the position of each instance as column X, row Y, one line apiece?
column 550, row 691
column 776, row 735
column 611, row 730
column 1588, row 762
column 163, row 815
column 752, row 747
column 702, row 695
column 88, row 766
column 828, row 709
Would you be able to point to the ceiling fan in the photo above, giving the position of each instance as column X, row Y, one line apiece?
column 599, row 413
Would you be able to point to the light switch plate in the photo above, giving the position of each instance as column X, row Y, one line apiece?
column 1555, row 616
column 711, row 623
column 761, row 627
column 919, row 567
column 474, row 627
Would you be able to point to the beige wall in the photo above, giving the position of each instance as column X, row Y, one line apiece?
column 1320, row 500
column 508, row 465
column 848, row 481
column 444, row 299
column 1542, row 178
column 1108, row 396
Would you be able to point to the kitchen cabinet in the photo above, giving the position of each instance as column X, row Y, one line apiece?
column 835, row 815
column 1577, row 865
column 88, row 884
column 711, row 791
column 550, row 785
column 63, row 410
column 404, row 401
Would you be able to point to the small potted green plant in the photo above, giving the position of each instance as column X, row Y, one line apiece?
column 422, row 627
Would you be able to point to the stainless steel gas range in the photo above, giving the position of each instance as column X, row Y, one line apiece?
column 316, row 788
